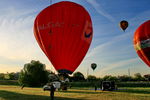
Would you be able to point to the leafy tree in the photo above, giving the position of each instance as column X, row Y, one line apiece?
column 78, row 76
column 16, row 76
column 138, row 77
column 113, row 78
column 110, row 78
column 147, row 77
column 2, row 76
column 33, row 74
column 106, row 78
column 91, row 78
column 6, row 76
column 125, row 78
column 11, row 76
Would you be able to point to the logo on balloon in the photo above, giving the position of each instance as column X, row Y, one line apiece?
column 142, row 44
column 50, row 24
column 87, row 35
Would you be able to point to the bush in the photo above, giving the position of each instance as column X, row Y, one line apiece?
column 78, row 76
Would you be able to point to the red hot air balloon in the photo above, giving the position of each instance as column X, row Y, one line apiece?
column 64, row 33
column 142, row 42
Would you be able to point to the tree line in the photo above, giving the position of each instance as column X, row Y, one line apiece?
column 78, row 76
column 35, row 74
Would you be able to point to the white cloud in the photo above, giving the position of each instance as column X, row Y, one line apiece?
column 100, row 10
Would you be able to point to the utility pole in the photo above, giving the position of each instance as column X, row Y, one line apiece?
column 129, row 71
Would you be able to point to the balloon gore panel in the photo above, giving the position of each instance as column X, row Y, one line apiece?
column 64, row 33
column 142, row 42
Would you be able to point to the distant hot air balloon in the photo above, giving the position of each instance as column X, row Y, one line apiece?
column 123, row 24
column 64, row 33
column 93, row 66
column 141, row 42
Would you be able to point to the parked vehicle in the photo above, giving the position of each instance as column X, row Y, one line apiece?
column 56, row 85
column 109, row 85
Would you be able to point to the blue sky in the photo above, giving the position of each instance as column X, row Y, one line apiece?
column 111, row 48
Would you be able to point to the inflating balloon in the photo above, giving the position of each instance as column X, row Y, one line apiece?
column 93, row 66
column 142, row 42
column 64, row 33
column 123, row 24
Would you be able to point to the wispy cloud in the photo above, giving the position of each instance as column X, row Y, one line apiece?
column 112, row 54
column 118, row 64
column 100, row 9
column 139, row 19
column 18, row 45
column 111, row 43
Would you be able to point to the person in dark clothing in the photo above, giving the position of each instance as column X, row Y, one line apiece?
column 22, row 86
column 52, row 92
column 95, row 87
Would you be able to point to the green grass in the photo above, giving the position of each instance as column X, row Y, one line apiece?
column 8, row 92
column 9, row 82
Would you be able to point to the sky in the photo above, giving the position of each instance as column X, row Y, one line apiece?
column 111, row 48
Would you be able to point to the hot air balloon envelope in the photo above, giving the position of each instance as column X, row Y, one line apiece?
column 64, row 33
column 93, row 66
column 123, row 24
column 142, row 42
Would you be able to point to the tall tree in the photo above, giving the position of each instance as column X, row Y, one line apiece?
column 91, row 78
column 78, row 76
column 33, row 74
column 2, row 76
column 138, row 77
column 147, row 77
column 124, row 78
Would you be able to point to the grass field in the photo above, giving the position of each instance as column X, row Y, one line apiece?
column 8, row 92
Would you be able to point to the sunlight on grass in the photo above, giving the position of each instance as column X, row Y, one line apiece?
column 15, row 93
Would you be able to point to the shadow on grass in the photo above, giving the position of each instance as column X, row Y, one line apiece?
column 7, row 95
column 138, row 91
column 83, row 92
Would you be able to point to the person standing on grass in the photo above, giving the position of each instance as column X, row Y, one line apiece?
column 52, row 90
column 95, row 87
column 22, row 86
